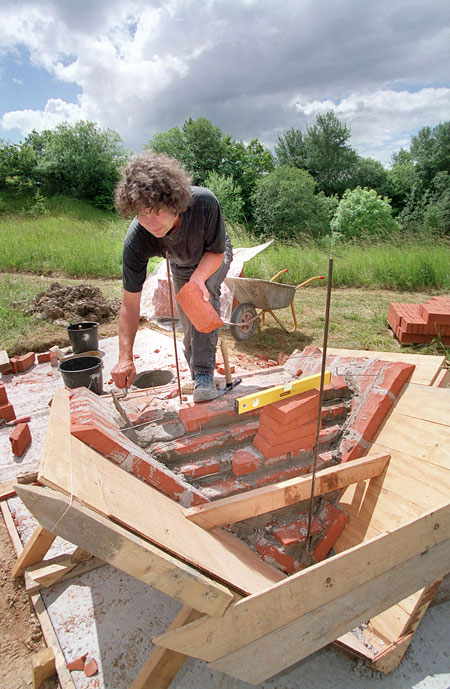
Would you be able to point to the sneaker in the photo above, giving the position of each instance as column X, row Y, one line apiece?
column 204, row 387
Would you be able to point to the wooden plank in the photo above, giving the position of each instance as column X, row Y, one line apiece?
column 351, row 645
column 442, row 379
column 5, row 364
column 426, row 369
column 7, row 490
column 162, row 666
column 274, row 497
column 391, row 657
column 35, row 550
column 43, row 666
column 11, row 527
column 126, row 551
column 426, row 403
column 60, row 568
column 288, row 644
column 97, row 482
column 258, row 615
column 417, row 438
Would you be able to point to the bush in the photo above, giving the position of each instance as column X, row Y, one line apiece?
column 363, row 214
column 286, row 206
column 228, row 195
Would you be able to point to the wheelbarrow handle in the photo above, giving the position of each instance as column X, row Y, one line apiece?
column 285, row 270
column 302, row 284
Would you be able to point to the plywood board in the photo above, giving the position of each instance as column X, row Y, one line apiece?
column 259, row 615
column 77, row 470
column 426, row 369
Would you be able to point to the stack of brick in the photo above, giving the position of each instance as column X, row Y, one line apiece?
column 20, row 437
column 421, row 323
column 288, row 425
column 20, row 364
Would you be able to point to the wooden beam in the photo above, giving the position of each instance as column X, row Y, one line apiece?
column 5, row 364
column 274, row 497
column 7, row 490
column 35, row 550
column 43, row 666
column 162, row 666
column 126, row 551
column 261, row 659
column 59, row 568
column 308, row 590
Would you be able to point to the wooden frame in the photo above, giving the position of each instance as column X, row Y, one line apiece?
column 397, row 545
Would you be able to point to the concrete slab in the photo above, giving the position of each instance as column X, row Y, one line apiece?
column 112, row 617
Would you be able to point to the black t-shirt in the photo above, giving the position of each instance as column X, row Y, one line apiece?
column 201, row 229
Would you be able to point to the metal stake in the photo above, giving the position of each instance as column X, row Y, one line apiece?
column 172, row 316
column 319, row 418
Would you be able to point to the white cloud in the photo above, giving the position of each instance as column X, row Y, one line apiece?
column 147, row 65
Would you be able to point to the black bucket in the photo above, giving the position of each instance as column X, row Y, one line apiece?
column 83, row 371
column 152, row 379
column 83, row 336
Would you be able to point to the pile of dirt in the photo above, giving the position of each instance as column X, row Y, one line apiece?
column 65, row 304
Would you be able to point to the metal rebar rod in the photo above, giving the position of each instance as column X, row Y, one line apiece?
column 319, row 417
column 172, row 316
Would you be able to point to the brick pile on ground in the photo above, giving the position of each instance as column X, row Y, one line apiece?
column 421, row 323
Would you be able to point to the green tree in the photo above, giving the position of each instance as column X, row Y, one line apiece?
column 362, row 213
column 80, row 160
column 172, row 143
column 290, row 149
column 402, row 182
column 430, row 151
column 229, row 196
column 17, row 164
column 286, row 206
column 369, row 173
column 330, row 160
column 203, row 148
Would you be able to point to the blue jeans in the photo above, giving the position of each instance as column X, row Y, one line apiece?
column 200, row 348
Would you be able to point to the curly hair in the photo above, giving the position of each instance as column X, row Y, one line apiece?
column 152, row 180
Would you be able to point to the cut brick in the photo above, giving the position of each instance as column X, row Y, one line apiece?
column 3, row 394
column 25, row 362
column 7, row 412
column 275, row 555
column 43, row 357
column 199, row 468
column 245, row 462
column 334, row 521
column 201, row 313
column 294, row 446
column 296, row 531
column 20, row 438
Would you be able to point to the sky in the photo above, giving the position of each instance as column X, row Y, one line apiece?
column 255, row 68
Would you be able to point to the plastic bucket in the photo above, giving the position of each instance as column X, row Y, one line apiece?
column 83, row 336
column 152, row 379
column 83, row 371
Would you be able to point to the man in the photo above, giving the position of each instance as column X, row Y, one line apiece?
column 186, row 222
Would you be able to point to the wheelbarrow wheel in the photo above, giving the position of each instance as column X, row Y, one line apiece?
column 243, row 313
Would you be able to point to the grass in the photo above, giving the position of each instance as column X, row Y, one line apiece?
column 64, row 238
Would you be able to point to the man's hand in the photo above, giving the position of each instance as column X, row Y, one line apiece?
column 201, row 285
column 208, row 265
column 123, row 373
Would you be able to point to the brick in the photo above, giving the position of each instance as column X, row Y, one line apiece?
column 328, row 434
column 333, row 412
column 274, row 555
column 13, row 361
column 7, row 412
column 336, row 388
column 371, row 415
column 200, row 312
column 294, row 447
column 25, row 362
column 353, row 449
column 394, row 376
column 107, row 443
column 194, row 445
column 43, row 357
column 297, row 531
column 287, row 426
column 217, row 412
column 166, row 481
column 279, row 436
column 221, row 369
column 412, row 338
column 240, row 432
column 436, row 312
column 245, row 462
column 225, row 487
column 293, row 407
column 3, row 394
column 202, row 467
column 20, row 438
column 281, row 475
column 334, row 522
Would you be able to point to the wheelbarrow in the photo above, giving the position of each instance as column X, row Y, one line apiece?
column 266, row 295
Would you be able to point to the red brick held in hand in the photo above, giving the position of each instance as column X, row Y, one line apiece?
column 200, row 312
column 20, row 438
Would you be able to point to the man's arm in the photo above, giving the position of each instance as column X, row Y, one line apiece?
column 208, row 265
column 124, row 371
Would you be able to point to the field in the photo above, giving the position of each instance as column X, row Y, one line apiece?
column 71, row 242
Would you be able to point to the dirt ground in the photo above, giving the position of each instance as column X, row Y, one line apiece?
column 21, row 634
